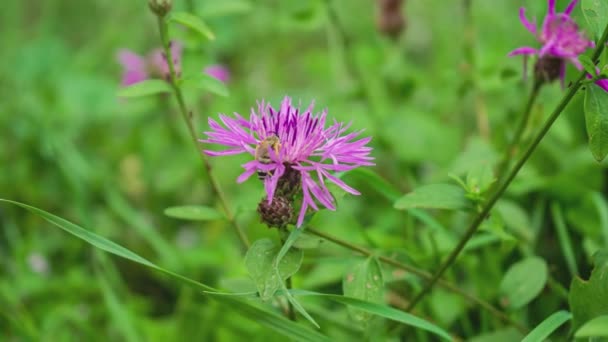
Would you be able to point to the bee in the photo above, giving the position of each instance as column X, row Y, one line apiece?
column 262, row 152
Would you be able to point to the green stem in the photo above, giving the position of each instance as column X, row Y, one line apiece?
column 422, row 274
column 187, row 116
column 503, row 186
column 291, row 313
column 503, row 166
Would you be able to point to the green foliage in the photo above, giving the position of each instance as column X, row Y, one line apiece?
column 434, row 196
column 589, row 298
column 596, row 13
column 364, row 281
column 523, row 282
column 145, row 88
column 262, row 263
column 192, row 22
column 206, row 83
column 548, row 326
column 596, row 117
column 194, row 213
column 597, row 327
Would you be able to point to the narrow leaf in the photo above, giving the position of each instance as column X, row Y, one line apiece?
column 437, row 196
column 194, row 213
column 381, row 311
column 548, row 326
column 193, row 22
column 266, row 318
column 597, row 327
column 596, row 119
column 523, row 282
column 587, row 64
column 145, row 88
column 206, row 83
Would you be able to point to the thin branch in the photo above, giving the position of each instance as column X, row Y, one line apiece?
column 503, row 186
column 186, row 115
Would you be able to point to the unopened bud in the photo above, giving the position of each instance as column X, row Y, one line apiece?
column 160, row 7
column 277, row 214
column 548, row 69
column 390, row 20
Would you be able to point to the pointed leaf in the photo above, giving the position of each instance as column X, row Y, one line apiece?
column 596, row 119
column 193, row 22
column 438, row 196
column 145, row 88
column 260, row 262
column 597, row 327
column 266, row 318
column 548, row 326
column 207, row 83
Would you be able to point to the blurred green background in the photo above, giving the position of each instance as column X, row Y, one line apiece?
column 441, row 99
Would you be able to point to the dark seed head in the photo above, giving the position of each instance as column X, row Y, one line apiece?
column 548, row 69
column 277, row 214
column 160, row 7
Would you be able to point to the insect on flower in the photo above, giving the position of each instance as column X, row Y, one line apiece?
column 263, row 150
column 293, row 152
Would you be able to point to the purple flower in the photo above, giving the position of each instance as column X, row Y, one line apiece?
column 602, row 82
column 219, row 72
column 305, row 148
column 559, row 35
column 137, row 68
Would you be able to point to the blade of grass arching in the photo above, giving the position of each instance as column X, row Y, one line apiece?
column 548, row 326
column 602, row 209
column 564, row 238
column 268, row 319
column 123, row 209
column 118, row 312
column 381, row 311
column 293, row 236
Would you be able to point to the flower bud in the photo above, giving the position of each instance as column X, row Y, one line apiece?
column 160, row 7
column 548, row 69
column 277, row 214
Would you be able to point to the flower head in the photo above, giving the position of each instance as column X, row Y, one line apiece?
column 219, row 72
column 304, row 157
column 560, row 37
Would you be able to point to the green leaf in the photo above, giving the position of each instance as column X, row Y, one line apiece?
column 364, row 282
column 268, row 319
column 194, row 213
column 588, row 64
column 193, row 22
column 596, row 119
column 596, row 14
column 307, row 241
column 589, row 299
column 145, row 88
column 564, row 238
column 381, row 311
column 206, row 83
column 285, row 249
column 480, row 178
column 523, row 282
column 597, row 327
column 213, row 9
column 260, row 262
column 548, row 326
column 375, row 182
column 437, row 196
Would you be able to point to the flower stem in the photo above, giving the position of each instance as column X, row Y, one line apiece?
column 503, row 186
column 422, row 274
column 187, row 116
column 503, row 166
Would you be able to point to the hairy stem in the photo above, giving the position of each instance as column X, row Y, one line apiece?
column 422, row 274
column 187, row 116
column 503, row 186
